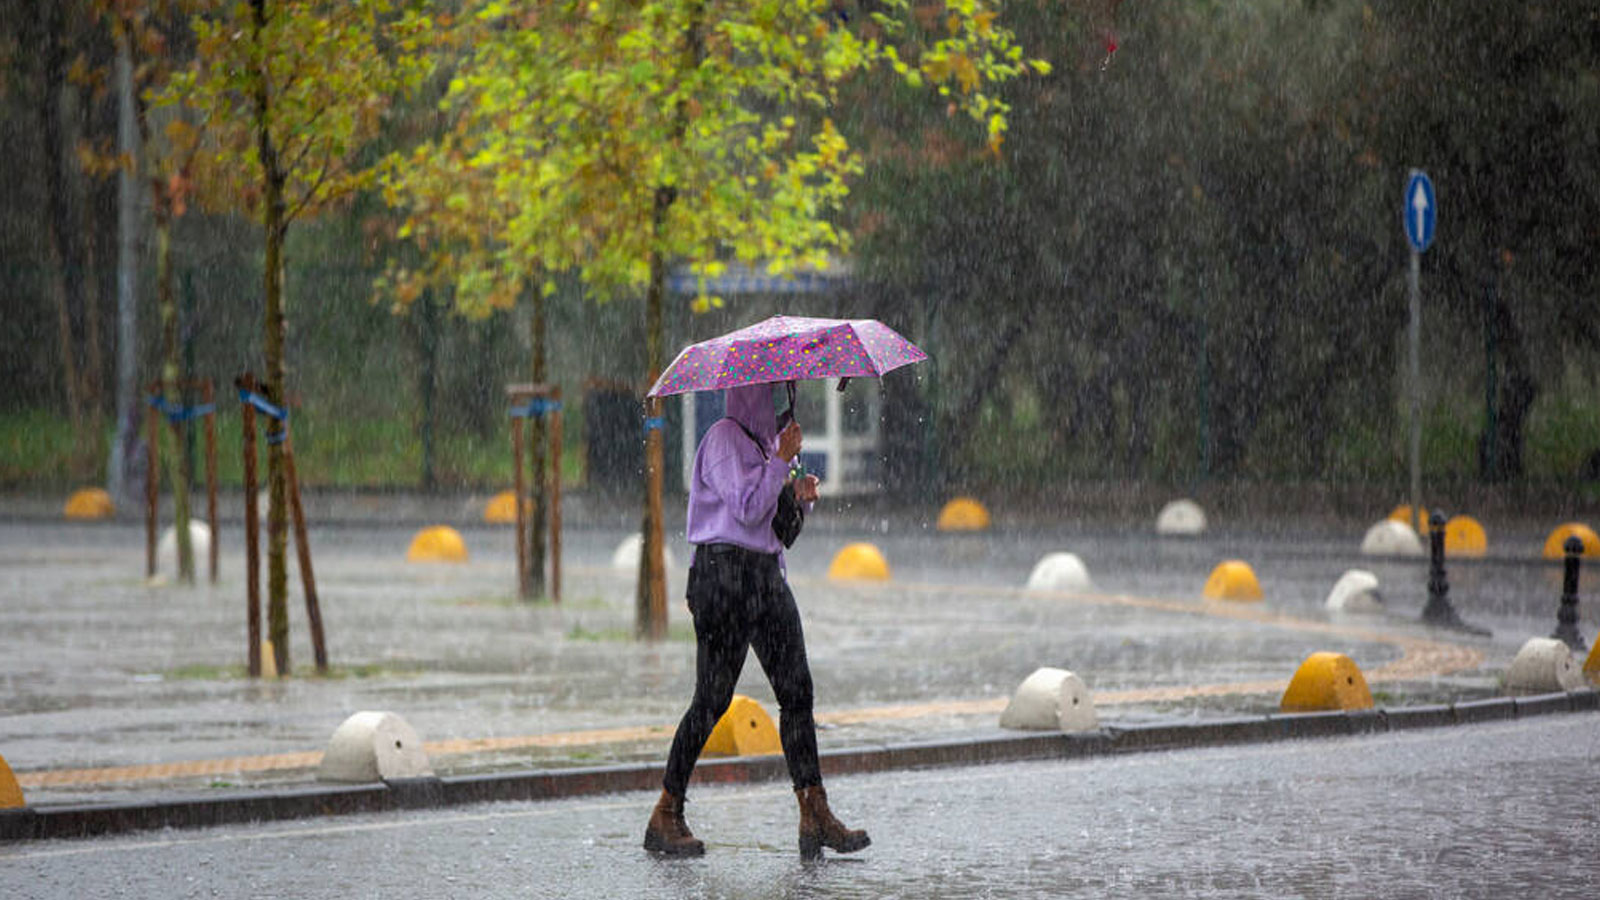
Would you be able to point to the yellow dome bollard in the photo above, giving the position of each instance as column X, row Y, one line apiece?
column 502, row 508
column 10, row 791
column 89, row 503
column 744, row 730
column 1464, row 536
column 859, row 562
column 1326, row 681
column 1402, row 513
column 440, row 543
column 1233, row 580
column 1552, row 544
column 963, row 514
column 1591, row 666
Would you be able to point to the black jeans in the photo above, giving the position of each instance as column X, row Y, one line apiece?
column 740, row 601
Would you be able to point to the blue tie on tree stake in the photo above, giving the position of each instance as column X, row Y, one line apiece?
column 263, row 405
column 177, row 412
column 535, row 408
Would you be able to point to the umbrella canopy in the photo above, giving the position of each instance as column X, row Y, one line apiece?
column 788, row 348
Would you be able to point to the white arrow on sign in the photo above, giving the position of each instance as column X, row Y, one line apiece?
column 1419, row 204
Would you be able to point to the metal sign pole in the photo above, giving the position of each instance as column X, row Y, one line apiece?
column 1419, row 212
column 1415, row 284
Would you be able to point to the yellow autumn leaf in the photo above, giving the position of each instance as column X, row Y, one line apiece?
column 966, row 73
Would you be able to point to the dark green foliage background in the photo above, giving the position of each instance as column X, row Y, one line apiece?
column 1186, row 266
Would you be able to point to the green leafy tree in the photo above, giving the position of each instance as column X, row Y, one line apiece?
column 451, row 188
column 613, row 139
column 290, row 94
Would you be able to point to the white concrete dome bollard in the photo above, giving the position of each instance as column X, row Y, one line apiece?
column 626, row 556
column 199, row 543
column 1181, row 517
column 1060, row 572
column 1391, row 538
column 1543, row 666
column 1355, row 591
column 1051, row 700
column 373, row 746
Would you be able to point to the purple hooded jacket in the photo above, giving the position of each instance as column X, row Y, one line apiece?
column 733, row 490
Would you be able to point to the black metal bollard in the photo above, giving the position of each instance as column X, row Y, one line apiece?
column 1438, row 611
column 1567, row 616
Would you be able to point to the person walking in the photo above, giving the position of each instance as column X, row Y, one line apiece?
column 744, row 507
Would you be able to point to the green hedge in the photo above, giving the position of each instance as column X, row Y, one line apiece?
column 371, row 453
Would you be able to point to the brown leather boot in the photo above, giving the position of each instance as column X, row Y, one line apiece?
column 668, row 833
column 818, row 827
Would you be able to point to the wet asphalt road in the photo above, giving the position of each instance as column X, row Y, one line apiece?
column 1499, row 810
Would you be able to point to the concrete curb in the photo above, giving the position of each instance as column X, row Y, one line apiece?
column 76, row 821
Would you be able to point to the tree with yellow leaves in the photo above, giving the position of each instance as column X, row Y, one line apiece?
column 285, row 96
column 610, row 139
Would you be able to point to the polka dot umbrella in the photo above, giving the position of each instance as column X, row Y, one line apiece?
column 788, row 348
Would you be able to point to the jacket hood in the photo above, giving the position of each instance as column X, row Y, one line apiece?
column 751, row 406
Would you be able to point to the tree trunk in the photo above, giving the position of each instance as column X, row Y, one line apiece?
column 427, row 331
column 650, row 620
column 1139, row 437
column 119, row 477
column 94, row 364
column 957, row 423
column 69, row 361
column 275, row 328
column 177, row 471
column 536, row 453
column 1239, row 395
column 1516, row 391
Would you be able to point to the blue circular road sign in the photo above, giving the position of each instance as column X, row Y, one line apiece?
column 1420, row 210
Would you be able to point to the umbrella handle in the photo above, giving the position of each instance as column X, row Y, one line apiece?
column 842, row 382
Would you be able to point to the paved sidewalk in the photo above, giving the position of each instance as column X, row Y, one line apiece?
column 119, row 691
